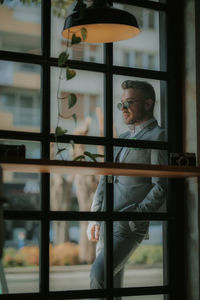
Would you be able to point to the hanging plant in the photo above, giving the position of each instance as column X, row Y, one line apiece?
column 71, row 98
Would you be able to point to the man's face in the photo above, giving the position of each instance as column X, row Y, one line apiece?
column 136, row 113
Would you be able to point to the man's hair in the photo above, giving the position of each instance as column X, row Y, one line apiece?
column 146, row 89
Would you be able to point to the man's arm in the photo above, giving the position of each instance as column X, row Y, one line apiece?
column 97, row 205
column 156, row 196
column 97, row 202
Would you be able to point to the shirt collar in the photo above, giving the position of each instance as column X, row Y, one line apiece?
column 134, row 129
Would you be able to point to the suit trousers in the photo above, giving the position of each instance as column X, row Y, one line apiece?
column 125, row 242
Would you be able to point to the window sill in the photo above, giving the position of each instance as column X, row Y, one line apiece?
column 96, row 168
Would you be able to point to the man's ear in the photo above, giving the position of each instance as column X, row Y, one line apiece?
column 148, row 104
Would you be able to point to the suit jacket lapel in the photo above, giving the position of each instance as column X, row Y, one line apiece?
column 144, row 130
column 140, row 135
column 117, row 150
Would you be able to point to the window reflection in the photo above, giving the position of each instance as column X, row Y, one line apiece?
column 161, row 1
column 142, row 51
column 21, row 190
column 72, row 192
column 149, row 297
column 20, row 29
column 145, row 265
column 20, row 97
column 21, row 256
column 32, row 149
column 88, row 108
column 71, row 255
column 77, row 152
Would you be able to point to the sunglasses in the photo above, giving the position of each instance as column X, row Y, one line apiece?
column 126, row 104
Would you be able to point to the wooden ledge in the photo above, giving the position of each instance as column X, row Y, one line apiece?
column 93, row 168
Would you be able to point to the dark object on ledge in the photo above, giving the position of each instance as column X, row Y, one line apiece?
column 13, row 151
column 183, row 159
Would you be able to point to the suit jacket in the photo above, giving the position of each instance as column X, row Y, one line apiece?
column 137, row 194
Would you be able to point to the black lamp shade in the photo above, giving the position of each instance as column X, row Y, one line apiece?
column 103, row 24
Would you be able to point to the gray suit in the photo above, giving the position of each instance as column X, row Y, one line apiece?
column 136, row 194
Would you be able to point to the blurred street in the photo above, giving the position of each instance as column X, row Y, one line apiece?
column 77, row 277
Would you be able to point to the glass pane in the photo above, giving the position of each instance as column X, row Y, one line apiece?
column 20, row 29
column 71, row 255
column 21, row 256
column 161, row 1
column 32, row 149
column 140, row 194
column 20, row 97
column 83, row 51
column 136, row 155
column 149, row 297
column 138, row 253
column 147, row 106
column 88, row 88
column 21, row 190
column 147, row 50
column 74, row 191
column 71, row 192
column 78, row 152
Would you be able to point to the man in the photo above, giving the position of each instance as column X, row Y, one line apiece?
column 130, row 193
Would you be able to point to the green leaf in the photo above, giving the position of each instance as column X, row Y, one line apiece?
column 75, row 39
column 84, row 33
column 62, row 58
column 60, row 131
column 75, row 118
column 93, row 156
column 90, row 155
column 70, row 73
column 72, row 143
column 60, row 150
column 71, row 100
column 80, row 157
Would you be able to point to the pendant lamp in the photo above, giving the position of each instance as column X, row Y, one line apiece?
column 104, row 23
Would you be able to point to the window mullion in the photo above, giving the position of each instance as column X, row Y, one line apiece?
column 108, row 113
column 45, row 178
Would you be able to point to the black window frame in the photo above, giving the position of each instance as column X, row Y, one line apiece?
column 175, row 214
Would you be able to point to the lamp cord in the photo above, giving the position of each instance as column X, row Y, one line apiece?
column 102, row 3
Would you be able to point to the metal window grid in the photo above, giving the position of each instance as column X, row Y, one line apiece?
column 175, row 215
